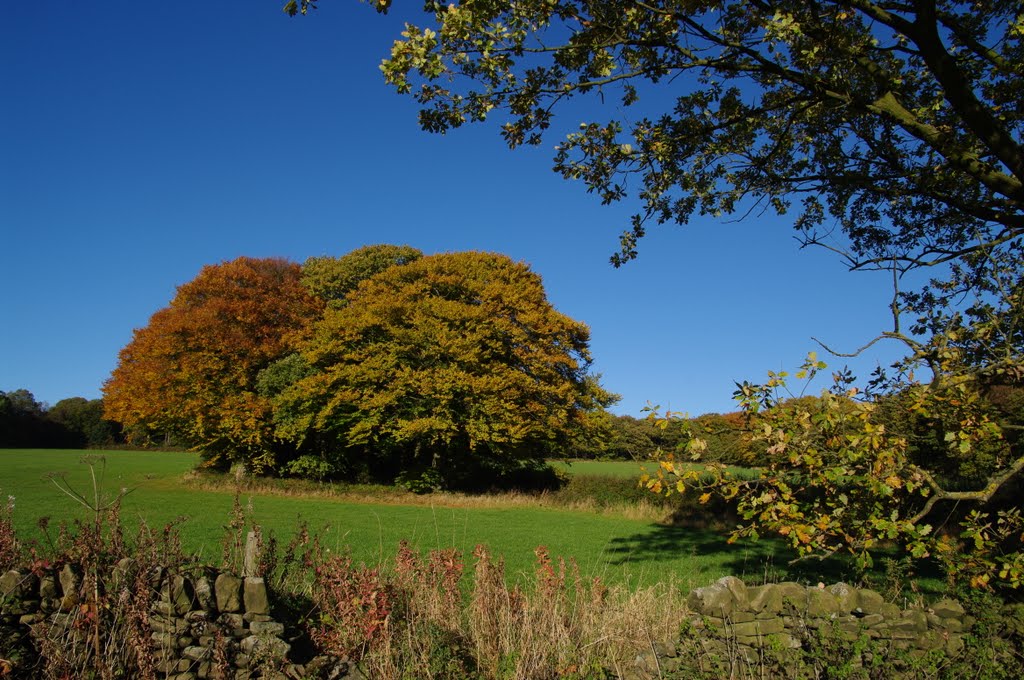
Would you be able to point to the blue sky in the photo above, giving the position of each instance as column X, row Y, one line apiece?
column 140, row 141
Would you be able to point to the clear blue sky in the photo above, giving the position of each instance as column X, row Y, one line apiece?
column 142, row 140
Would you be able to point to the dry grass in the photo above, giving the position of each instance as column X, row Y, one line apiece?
column 414, row 620
column 655, row 510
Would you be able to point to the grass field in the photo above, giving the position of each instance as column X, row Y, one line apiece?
column 625, row 468
column 614, row 547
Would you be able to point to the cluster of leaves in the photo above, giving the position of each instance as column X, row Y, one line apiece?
column 849, row 472
column 900, row 121
column 447, row 368
column 71, row 423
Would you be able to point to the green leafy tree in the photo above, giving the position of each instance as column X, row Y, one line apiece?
column 443, row 367
column 23, row 422
column 332, row 278
column 933, row 468
column 83, row 420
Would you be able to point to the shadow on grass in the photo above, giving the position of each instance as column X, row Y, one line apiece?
column 769, row 560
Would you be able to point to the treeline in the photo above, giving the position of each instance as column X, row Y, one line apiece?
column 449, row 370
column 625, row 437
column 74, row 423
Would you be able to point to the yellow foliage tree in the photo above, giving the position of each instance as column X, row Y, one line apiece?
column 449, row 360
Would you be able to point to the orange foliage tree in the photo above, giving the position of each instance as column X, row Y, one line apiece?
column 191, row 372
column 443, row 364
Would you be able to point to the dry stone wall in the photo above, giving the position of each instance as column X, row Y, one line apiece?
column 776, row 623
column 199, row 624
column 210, row 624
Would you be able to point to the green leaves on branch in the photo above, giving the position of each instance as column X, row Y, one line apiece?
column 899, row 122
column 845, row 473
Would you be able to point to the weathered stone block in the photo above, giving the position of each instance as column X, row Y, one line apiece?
column 204, row 592
column 782, row 641
column 793, row 595
column 930, row 640
column 665, row 649
column 265, row 646
column 164, row 624
column 870, row 602
column 255, row 596
column 16, row 584
column 165, row 640
column 913, row 619
column 872, row 620
column 119, row 574
column 948, row 609
column 953, row 625
column 228, row 590
column 738, row 589
column 954, row 645
column 179, row 593
column 766, row 598
column 713, row 600
column 846, row 596
column 266, row 628
column 822, row 604
column 196, row 653
column 70, row 581
column 755, row 628
column 890, row 611
column 296, row 671
column 252, row 616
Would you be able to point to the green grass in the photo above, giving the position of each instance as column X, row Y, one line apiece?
column 605, row 468
column 627, row 468
column 615, row 548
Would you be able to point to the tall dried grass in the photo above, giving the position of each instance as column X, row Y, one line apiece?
column 430, row 617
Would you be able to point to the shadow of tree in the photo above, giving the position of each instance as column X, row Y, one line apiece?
column 763, row 560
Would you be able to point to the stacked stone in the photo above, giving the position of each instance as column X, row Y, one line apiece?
column 200, row 625
column 732, row 620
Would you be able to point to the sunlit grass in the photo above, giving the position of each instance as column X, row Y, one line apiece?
column 370, row 522
column 631, row 468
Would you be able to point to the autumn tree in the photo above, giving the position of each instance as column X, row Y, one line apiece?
column 449, row 366
column 191, row 372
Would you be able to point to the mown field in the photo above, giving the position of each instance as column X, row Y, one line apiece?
column 611, row 545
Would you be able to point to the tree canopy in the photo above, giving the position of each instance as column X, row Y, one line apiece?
column 332, row 278
column 192, row 371
column 899, row 122
column 445, row 361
